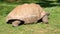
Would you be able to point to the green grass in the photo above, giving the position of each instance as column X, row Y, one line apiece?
column 52, row 28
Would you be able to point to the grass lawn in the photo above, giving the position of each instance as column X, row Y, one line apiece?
column 52, row 28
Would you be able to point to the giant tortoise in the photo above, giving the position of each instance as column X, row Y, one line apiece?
column 27, row 14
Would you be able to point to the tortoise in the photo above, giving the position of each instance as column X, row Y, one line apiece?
column 27, row 14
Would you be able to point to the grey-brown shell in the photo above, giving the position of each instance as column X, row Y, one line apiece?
column 28, row 13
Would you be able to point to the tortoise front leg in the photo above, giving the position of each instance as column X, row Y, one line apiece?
column 16, row 23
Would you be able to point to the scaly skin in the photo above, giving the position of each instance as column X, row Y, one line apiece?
column 16, row 23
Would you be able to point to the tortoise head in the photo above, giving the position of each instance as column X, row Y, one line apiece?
column 47, row 13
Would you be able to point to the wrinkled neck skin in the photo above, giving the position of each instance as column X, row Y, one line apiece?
column 44, row 13
column 47, row 13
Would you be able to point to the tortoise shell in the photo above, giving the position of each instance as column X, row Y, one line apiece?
column 29, row 13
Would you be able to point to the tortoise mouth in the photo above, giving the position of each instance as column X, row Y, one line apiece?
column 12, row 20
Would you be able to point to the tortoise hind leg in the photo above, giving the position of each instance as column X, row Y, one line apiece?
column 16, row 23
column 45, row 19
